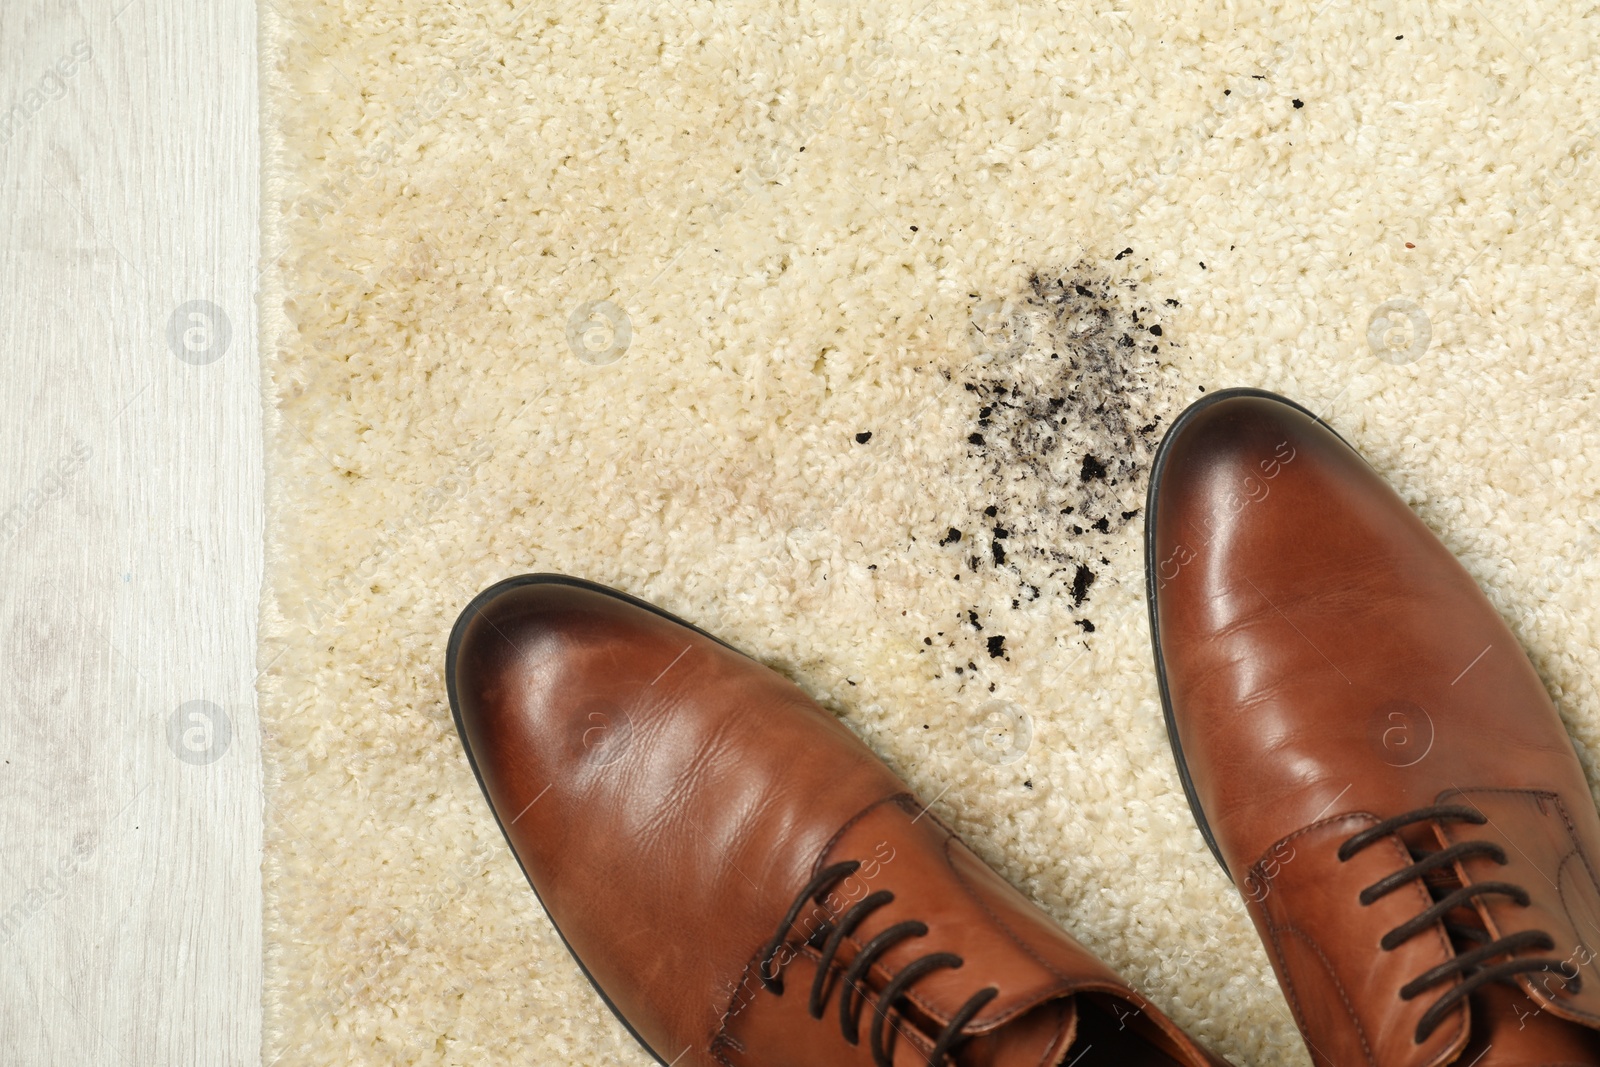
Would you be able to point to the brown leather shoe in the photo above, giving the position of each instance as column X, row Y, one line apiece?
column 1369, row 752
column 742, row 881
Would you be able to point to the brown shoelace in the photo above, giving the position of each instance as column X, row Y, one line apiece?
column 827, row 940
column 1468, row 966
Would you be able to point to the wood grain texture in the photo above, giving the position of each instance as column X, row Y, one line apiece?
column 130, row 533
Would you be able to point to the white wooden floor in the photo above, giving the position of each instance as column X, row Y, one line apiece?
column 130, row 533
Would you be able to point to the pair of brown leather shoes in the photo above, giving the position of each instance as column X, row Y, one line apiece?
column 1365, row 748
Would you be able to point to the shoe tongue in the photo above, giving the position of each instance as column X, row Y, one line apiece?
column 1040, row 1036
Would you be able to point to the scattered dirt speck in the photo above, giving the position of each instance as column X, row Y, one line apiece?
column 1081, row 581
column 1066, row 412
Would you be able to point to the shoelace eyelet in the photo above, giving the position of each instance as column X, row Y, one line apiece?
column 1472, row 967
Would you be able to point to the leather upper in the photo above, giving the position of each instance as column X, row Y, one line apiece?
column 1328, row 665
column 669, row 798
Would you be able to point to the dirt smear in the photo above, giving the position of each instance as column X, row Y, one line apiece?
column 1066, row 405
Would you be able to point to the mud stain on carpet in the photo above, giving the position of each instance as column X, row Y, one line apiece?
column 1066, row 403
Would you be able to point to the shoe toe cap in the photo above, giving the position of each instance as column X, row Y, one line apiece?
column 1223, row 457
column 514, row 657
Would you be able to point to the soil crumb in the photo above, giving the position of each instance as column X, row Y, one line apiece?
column 1067, row 400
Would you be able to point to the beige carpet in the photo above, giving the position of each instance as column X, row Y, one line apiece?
column 622, row 289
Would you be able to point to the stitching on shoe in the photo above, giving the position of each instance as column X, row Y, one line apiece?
column 722, row 1042
column 918, row 810
column 1064, row 982
column 1312, row 828
column 1561, row 894
column 723, row 1038
column 1327, row 967
column 911, row 806
column 1577, row 849
column 908, row 803
column 832, row 842
column 949, row 843
column 728, row 1014
column 1462, row 1020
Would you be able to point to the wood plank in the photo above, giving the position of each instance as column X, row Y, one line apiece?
column 130, row 533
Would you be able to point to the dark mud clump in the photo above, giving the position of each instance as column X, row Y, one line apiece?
column 1067, row 398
